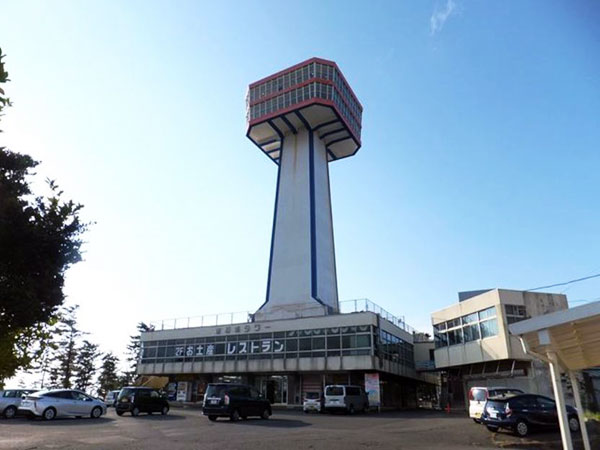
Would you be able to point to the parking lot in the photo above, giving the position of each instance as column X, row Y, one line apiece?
column 289, row 430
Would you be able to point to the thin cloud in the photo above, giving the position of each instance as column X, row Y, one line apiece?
column 440, row 16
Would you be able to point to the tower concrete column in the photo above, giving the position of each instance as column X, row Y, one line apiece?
column 302, row 276
column 303, row 118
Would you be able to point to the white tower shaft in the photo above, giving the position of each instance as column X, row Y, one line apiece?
column 302, row 275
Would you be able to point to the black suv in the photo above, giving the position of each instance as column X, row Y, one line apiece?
column 521, row 413
column 141, row 399
column 234, row 401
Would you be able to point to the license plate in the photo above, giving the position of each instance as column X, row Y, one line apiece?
column 214, row 402
column 493, row 414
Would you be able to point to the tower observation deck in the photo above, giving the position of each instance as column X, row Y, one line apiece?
column 302, row 118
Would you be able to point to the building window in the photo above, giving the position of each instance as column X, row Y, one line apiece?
column 515, row 313
column 468, row 328
column 489, row 328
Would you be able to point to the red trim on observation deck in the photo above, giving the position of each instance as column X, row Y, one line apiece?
column 303, row 63
column 291, row 88
column 307, row 82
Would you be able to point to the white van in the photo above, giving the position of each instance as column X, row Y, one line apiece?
column 479, row 395
column 341, row 397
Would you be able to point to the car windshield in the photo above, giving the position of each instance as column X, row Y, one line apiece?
column 217, row 390
column 334, row 390
column 312, row 395
column 504, row 392
column 497, row 405
column 127, row 392
column 42, row 393
column 478, row 395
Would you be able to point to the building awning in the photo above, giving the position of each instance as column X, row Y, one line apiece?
column 573, row 334
column 567, row 340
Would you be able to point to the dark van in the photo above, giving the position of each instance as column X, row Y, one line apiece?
column 141, row 399
column 234, row 401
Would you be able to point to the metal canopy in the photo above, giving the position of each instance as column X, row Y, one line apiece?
column 567, row 340
column 573, row 334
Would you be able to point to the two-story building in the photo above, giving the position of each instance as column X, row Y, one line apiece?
column 287, row 358
column 473, row 346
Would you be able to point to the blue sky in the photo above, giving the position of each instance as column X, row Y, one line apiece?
column 479, row 166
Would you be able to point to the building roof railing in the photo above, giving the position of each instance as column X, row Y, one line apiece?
column 364, row 304
column 240, row 317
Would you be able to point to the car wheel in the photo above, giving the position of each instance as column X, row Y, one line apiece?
column 96, row 412
column 235, row 416
column 521, row 428
column 49, row 413
column 573, row 424
column 119, row 413
column 476, row 420
column 351, row 409
column 165, row 410
column 265, row 414
column 492, row 428
column 10, row 412
column 212, row 418
column 135, row 412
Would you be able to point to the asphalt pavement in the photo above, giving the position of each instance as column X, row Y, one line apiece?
column 285, row 430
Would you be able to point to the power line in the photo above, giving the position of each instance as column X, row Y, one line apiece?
column 565, row 283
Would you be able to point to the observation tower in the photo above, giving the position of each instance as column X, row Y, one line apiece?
column 302, row 118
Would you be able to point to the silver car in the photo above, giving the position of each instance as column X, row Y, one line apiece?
column 61, row 403
column 10, row 399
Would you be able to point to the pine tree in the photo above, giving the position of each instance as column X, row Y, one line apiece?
column 108, row 379
column 85, row 365
column 133, row 352
column 67, row 351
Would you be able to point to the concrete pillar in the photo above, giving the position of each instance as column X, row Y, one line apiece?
column 302, row 274
column 579, row 406
column 565, row 432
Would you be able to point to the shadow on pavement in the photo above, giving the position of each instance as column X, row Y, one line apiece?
column 406, row 414
column 270, row 423
column 62, row 421
column 153, row 417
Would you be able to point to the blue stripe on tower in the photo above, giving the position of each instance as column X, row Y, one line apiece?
column 273, row 230
column 313, row 237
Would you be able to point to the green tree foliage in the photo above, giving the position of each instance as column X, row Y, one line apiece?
column 40, row 238
column 108, row 380
column 133, row 352
column 66, row 355
column 85, row 366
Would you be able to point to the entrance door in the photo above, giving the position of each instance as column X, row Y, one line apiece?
column 274, row 388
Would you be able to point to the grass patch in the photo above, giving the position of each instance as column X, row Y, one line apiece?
column 589, row 415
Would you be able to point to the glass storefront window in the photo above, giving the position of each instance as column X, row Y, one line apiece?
column 333, row 342
column 318, row 343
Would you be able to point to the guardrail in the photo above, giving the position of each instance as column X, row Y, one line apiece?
column 207, row 320
column 364, row 304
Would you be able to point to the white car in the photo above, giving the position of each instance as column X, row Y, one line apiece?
column 312, row 402
column 61, row 403
column 10, row 399
column 111, row 398
column 479, row 395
